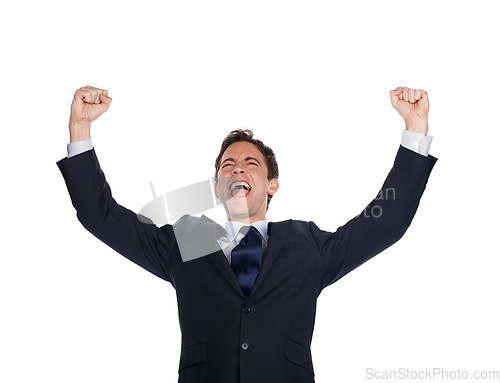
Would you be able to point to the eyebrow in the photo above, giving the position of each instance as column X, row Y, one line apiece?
column 246, row 159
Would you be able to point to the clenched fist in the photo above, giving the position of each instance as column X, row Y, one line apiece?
column 413, row 106
column 89, row 103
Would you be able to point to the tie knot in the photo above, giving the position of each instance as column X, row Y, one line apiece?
column 250, row 233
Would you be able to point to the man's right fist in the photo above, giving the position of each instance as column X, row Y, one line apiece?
column 88, row 105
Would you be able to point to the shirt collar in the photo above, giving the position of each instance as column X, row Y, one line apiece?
column 233, row 227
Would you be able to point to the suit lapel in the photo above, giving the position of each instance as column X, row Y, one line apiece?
column 278, row 233
column 222, row 264
column 219, row 258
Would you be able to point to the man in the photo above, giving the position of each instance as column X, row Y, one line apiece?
column 247, row 310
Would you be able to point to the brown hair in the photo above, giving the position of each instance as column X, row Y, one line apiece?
column 247, row 135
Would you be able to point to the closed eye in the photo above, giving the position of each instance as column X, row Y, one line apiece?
column 250, row 163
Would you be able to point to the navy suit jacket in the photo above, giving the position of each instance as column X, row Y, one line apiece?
column 265, row 338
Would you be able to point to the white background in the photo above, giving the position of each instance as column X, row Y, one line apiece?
column 312, row 80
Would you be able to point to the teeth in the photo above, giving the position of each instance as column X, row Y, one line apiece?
column 240, row 184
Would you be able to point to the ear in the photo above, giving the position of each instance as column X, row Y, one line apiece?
column 216, row 190
column 273, row 186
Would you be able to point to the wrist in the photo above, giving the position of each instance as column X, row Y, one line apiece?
column 420, row 126
column 79, row 131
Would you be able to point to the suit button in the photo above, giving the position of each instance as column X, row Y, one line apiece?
column 244, row 346
column 246, row 309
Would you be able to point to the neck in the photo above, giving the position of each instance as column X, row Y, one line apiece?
column 247, row 220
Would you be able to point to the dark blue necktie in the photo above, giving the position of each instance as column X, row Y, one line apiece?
column 246, row 259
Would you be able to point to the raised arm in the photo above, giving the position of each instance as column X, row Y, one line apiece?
column 144, row 244
column 387, row 217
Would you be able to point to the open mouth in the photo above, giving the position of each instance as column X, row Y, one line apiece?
column 239, row 189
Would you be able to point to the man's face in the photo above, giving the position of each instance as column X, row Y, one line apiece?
column 242, row 183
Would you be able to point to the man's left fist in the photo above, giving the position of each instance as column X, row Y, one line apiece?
column 413, row 106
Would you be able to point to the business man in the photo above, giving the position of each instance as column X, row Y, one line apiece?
column 247, row 309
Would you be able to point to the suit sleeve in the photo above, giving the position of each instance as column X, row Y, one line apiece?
column 381, row 224
column 144, row 244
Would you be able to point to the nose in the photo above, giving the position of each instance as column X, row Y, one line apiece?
column 238, row 169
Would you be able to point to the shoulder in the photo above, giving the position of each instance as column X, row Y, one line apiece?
column 292, row 228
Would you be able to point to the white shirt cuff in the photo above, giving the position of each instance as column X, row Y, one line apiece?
column 417, row 142
column 78, row 147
